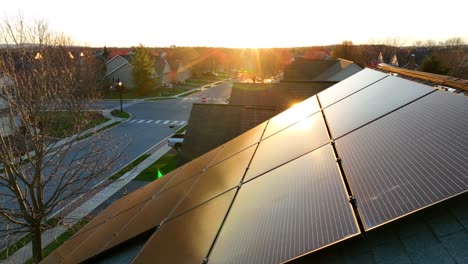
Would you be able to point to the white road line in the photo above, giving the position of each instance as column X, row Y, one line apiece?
column 141, row 121
column 149, row 121
column 132, row 121
column 167, row 122
column 158, row 121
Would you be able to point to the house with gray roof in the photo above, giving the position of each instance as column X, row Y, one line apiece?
column 163, row 69
column 302, row 69
column 120, row 68
column 179, row 73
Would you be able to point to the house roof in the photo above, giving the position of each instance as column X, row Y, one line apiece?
column 370, row 152
column 119, row 67
column 211, row 125
column 160, row 64
column 315, row 70
column 280, row 95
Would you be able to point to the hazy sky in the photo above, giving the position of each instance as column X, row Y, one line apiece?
column 244, row 23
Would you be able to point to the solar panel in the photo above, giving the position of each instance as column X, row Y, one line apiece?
column 100, row 237
column 292, row 210
column 409, row 159
column 241, row 142
column 154, row 212
column 289, row 144
column 188, row 237
column 194, row 167
column 216, row 180
column 294, row 114
column 63, row 252
column 349, row 86
column 371, row 103
column 131, row 199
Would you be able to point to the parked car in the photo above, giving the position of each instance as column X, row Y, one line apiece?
column 176, row 141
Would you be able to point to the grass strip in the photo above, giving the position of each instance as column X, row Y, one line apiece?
column 130, row 166
column 97, row 131
column 62, row 238
column 165, row 164
column 121, row 114
column 192, row 92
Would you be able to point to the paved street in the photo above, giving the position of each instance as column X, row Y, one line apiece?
column 149, row 124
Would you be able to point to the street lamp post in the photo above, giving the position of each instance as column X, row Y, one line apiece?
column 120, row 94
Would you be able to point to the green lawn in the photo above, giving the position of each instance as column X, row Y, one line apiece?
column 62, row 124
column 160, row 92
column 129, row 167
column 192, row 92
column 121, row 114
column 165, row 164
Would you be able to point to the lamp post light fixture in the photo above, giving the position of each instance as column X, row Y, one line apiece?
column 120, row 88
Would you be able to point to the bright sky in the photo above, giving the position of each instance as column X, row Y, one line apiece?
column 244, row 23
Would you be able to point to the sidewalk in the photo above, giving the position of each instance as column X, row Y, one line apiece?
column 25, row 253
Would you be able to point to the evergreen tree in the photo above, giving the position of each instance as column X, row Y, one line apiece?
column 143, row 71
column 433, row 65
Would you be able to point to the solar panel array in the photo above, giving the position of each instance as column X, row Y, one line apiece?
column 282, row 189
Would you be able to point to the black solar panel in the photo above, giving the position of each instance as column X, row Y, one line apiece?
column 349, row 86
column 188, row 237
column 216, row 180
column 151, row 215
column 409, row 159
column 297, row 208
column 294, row 114
column 371, row 103
column 289, row 144
column 240, row 143
column 193, row 168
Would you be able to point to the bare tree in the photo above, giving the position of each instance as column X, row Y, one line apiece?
column 41, row 174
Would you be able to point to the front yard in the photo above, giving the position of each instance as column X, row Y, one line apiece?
column 62, row 124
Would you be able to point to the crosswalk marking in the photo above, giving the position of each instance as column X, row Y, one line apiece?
column 161, row 122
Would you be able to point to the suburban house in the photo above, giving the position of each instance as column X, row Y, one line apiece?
column 119, row 68
column 179, row 73
column 163, row 69
column 370, row 170
column 302, row 69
